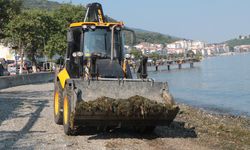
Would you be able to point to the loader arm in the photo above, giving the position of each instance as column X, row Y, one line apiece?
column 94, row 13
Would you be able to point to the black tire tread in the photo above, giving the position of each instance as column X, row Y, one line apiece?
column 67, row 127
column 59, row 117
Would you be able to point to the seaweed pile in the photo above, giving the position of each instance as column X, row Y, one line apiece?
column 136, row 106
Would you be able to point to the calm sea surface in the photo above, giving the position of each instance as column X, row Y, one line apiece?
column 220, row 84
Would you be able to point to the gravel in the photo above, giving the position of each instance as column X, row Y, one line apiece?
column 26, row 122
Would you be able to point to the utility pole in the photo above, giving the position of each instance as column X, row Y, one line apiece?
column 22, row 55
column 45, row 66
column 15, row 48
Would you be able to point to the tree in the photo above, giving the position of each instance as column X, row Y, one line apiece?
column 32, row 28
column 136, row 53
column 43, row 32
column 152, row 37
column 64, row 16
column 198, row 55
column 8, row 9
column 56, row 45
column 154, row 56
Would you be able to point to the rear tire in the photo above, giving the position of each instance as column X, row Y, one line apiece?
column 67, row 121
column 58, row 100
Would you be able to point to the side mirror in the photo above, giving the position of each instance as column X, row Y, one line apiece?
column 70, row 36
column 129, row 36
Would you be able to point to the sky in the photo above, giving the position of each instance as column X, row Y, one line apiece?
column 210, row 21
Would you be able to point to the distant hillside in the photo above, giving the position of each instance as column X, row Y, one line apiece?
column 142, row 35
column 234, row 42
column 153, row 37
column 42, row 4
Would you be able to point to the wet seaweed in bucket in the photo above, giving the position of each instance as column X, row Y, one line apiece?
column 136, row 106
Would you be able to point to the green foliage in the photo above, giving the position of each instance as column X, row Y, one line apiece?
column 68, row 13
column 198, row 55
column 8, row 9
column 136, row 53
column 56, row 45
column 64, row 16
column 236, row 42
column 42, row 26
column 41, row 4
column 32, row 28
column 154, row 56
column 43, row 32
column 153, row 37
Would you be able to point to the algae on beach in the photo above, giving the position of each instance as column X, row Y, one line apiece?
column 136, row 106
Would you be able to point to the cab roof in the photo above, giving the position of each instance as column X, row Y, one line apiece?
column 105, row 24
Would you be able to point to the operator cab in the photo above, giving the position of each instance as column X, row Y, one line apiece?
column 97, row 42
column 99, row 47
column 96, row 47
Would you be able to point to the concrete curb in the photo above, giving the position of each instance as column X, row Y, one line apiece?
column 11, row 81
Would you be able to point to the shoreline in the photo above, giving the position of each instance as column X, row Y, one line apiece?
column 228, row 54
column 217, row 110
column 215, row 131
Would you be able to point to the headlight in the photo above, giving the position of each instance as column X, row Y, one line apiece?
column 84, row 27
column 79, row 54
column 74, row 54
column 127, row 56
column 93, row 27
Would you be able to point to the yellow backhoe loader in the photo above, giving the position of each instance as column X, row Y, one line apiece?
column 96, row 87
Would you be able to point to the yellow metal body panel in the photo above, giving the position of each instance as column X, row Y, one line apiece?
column 63, row 76
column 124, row 67
column 100, row 15
column 56, row 103
column 106, row 24
column 65, row 110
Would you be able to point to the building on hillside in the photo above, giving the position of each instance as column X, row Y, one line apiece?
column 197, row 45
column 242, row 37
column 148, row 48
column 221, row 48
column 209, row 50
column 183, row 46
column 216, row 49
column 175, row 50
column 242, row 48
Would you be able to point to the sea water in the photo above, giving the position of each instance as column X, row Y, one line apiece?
column 220, row 84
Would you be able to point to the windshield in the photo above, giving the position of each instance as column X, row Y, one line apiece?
column 99, row 41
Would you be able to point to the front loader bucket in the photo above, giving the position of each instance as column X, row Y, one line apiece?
column 156, row 108
column 122, row 89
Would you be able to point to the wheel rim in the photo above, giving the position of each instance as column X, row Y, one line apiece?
column 56, row 101
column 65, row 110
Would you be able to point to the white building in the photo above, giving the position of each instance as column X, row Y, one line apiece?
column 183, row 45
column 5, row 52
column 198, row 45
column 242, row 48
column 147, row 48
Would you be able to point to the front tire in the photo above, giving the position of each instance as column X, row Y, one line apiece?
column 67, row 120
column 58, row 100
